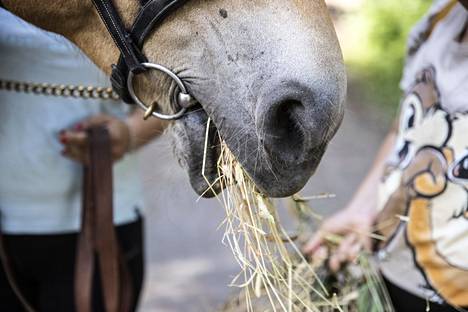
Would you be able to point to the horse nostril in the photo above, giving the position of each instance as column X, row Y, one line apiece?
column 296, row 121
column 284, row 131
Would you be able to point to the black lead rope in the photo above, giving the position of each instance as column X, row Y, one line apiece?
column 130, row 43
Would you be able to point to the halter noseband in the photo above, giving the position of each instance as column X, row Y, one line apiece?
column 132, row 61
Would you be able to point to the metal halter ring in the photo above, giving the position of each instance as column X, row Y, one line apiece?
column 182, row 99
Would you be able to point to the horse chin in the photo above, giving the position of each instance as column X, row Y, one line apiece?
column 276, row 179
column 198, row 152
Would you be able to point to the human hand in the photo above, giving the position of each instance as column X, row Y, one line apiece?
column 74, row 140
column 355, row 223
column 354, row 227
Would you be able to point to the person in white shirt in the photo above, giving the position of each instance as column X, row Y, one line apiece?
column 41, row 139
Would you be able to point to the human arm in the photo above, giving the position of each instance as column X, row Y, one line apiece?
column 355, row 222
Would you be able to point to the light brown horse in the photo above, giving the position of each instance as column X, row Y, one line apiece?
column 269, row 73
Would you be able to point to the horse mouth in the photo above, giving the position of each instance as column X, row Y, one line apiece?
column 197, row 147
column 197, row 144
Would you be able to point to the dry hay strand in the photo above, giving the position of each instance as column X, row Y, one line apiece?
column 358, row 287
column 274, row 275
column 271, row 264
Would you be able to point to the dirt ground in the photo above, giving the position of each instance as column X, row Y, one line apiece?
column 188, row 268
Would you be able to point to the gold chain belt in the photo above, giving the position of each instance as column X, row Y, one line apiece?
column 60, row 90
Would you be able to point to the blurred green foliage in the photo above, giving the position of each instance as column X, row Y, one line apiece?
column 377, row 60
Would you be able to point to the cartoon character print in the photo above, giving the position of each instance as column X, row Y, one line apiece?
column 422, row 123
column 428, row 178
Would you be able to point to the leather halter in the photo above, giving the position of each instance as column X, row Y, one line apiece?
column 132, row 61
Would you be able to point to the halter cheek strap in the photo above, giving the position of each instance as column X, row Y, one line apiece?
column 130, row 53
column 132, row 61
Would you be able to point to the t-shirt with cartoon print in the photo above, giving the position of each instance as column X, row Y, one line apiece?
column 423, row 196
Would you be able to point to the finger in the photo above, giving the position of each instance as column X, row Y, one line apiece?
column 354, row 251
column 313, row 244
column 343, row 251
column 345, row 245
column 329, row 226
column 75, row 138
column 75, row 154
column 334, row 263
column 320, row 256
column 341, row 255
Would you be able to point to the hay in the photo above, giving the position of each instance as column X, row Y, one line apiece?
column 274, row 275
column 357, row 288
column 270, row 262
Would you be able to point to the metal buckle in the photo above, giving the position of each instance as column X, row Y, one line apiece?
column 182, row 99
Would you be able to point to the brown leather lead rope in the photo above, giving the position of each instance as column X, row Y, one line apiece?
column 97, row 239
column 97, row 242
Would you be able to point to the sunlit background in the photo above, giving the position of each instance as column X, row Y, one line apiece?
column 373, row 36
column 188, row 269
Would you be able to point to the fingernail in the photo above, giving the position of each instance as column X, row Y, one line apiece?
column 63, row 140
column 79, row 127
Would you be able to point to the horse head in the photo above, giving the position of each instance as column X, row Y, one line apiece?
column 269, row 75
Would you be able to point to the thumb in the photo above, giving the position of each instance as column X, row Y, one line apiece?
column 314, row 243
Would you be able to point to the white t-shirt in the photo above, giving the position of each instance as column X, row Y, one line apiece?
column 40, row 190
column 424, row 191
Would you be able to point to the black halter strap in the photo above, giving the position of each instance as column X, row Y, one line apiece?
column 130, row 43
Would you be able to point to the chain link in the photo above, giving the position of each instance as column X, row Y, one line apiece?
column 61, row 90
